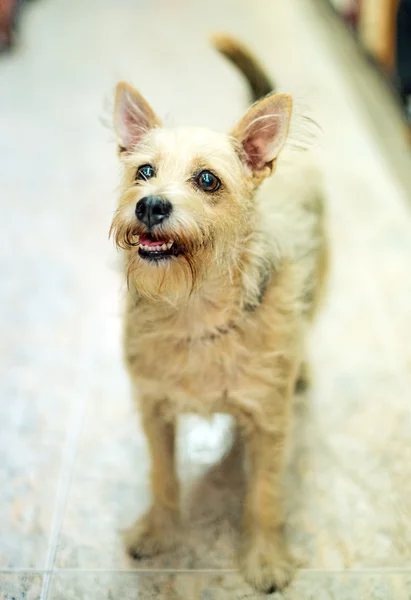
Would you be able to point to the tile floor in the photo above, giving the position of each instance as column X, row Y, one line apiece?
column 73, row 467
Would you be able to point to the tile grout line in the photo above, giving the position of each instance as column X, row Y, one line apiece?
column 349, row 572
column 64, row 484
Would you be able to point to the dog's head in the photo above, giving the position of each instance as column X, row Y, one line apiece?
column 186, row 202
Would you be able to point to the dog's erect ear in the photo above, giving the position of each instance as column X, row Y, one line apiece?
column 263, row 130
column 133, row 117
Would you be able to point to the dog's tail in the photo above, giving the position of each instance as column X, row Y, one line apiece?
column 259, row 82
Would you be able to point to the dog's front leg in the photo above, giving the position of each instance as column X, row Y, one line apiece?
column 266, row 564
column 156, row 530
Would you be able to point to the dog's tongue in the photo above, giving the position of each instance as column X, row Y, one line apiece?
column 146, row 241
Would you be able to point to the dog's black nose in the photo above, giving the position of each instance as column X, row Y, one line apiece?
column 152, row 210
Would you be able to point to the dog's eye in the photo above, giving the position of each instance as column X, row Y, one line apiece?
column 207, row 181
column 145, row 172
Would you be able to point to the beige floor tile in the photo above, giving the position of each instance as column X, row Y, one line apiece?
column 28, row 482
column 16, row 586
column 109, row 484
column 223, row 586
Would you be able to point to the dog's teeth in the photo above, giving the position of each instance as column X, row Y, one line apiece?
column 162, row 248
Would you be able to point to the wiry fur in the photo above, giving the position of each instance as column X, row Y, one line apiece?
column 221, row 328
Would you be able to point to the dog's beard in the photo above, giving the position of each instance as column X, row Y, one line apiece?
column 173, row 278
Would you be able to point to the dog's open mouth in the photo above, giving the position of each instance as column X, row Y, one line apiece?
column 156, row 249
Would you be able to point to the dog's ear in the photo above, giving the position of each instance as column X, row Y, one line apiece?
column 133, row 117
column 263, row 130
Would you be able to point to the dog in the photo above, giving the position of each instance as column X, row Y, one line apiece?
column 225, row 267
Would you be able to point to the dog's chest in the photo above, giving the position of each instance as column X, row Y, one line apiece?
column 194, row 359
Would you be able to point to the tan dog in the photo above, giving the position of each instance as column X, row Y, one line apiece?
column 224, row 270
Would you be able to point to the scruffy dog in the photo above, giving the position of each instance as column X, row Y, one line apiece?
column 224, row 268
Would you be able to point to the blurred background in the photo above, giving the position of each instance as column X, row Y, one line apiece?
column 73, row 460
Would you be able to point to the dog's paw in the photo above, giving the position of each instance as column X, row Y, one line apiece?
column 152, row 534
column 266, row 565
